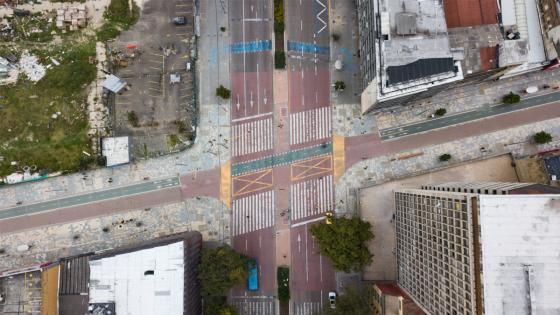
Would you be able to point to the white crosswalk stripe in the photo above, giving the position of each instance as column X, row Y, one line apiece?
column 253, row 213
column 306, row 308
column 310, row 125
column 255, row 306
column 252, row 137
column 311, row 197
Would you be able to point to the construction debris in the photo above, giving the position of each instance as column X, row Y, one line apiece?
column 30, row 66
column 75, row 17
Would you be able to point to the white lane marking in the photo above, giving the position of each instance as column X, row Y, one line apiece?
column 252, row 137
column 311, row 197
column 310, row 125
column 253, row 213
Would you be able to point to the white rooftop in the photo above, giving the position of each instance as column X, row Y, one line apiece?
column 116, row 150
column 520, row 238
column 122, row 279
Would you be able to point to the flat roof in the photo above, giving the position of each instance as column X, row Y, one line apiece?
column 520, row 245
column 143, row 282
column 116, row 150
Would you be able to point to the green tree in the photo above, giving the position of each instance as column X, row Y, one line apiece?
column 511, row 98
column 217, row 306
column 222, row 92
column 344, row 242
column 220, row 269
column 352, row 302
column 440, row 112
column 542, row 137
column 445, row 157
column 283, row 279
column 339, row 86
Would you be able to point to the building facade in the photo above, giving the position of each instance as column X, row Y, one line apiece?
column 450, row 256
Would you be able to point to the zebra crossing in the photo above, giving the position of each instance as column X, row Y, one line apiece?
column 311, row 197
column 255, row 306
column 306, row 308
column 253, row 213
column 310, row 125
column 252, row 137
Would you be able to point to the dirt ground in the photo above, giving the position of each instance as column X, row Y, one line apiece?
column 531, row 170
column 376, row 206
column 165, row 110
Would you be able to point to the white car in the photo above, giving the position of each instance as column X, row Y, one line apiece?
column 332, row 299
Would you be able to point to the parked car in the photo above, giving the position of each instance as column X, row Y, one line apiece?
column 332, row 299
column 179, row 20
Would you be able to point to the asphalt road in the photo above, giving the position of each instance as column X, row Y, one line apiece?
column 480, row 113
column 89, row 197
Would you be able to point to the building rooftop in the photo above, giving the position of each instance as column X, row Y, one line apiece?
column 116, row 150
column 520, row 262
column 393, row 289
column 147, row 281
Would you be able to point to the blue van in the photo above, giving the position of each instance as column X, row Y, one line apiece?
column 253, row 278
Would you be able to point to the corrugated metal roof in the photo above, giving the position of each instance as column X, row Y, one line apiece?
column 419, row 69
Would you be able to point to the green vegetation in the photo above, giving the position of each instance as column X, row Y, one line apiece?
column 335, row 37
column 222, row 92
column 445, row 157
column 223, row 28
column 33, row 28
column 511, row 98
column 133, row 119
column 279, row 60
column 352, row 302
column 440, row 112
column 339, row 86
column 220, row 269
column 173, row 140
column 31, row 130
column 118, row 16
column 283, row 277
column 278, row 16
column 344, row 242
column 217, row 306
column 542, row 137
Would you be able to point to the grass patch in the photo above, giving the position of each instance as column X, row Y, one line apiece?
column 118, row 16
column 28, row 133
column 279, row 60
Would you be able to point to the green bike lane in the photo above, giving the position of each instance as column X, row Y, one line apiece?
column 460, row 118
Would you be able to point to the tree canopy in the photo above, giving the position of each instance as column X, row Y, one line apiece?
column 542, row 137
column 352, row 302
column 344, row 242
column 220, row 269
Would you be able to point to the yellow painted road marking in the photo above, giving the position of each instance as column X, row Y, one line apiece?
column 338, row 156
column 256, row 181
column 225, row 184
column 309, row 170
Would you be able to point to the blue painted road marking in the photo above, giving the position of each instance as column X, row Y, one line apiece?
column 251, row 47
column 308, row 48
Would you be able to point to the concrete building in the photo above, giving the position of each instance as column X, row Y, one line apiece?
column 480, row 248
column 404, row 51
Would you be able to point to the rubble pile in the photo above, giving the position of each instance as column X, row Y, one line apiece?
column 75, row 17
column 29, row 64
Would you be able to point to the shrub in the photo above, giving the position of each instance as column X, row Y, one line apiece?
column 542, row 137
column 223, row 28
column 445, row 157
column 511, row 98
column 133, row 119
column 222, row 92
column 279, row 60
column 440, row 112
column 339, row 86
column 335, row 37
column 283, row 279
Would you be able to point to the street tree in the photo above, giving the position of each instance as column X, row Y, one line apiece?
column 339, row 86
column 222, row 92
column 511, row 98
column 220, row 269
column 445, row 157
column 542, row 137
column 344, row 242
column 352, row 302
column 440, row 112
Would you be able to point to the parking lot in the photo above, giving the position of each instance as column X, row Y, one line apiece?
column 152, row 57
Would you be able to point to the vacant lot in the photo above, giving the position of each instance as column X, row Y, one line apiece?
column 376, row 206
column 44, row 124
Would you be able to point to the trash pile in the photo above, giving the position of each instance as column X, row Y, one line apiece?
column 29, row 64
column 9, row 72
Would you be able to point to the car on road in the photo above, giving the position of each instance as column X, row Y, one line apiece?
column 253, row 278
column 180, row 20
column 332, row 299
